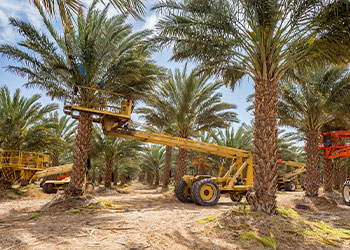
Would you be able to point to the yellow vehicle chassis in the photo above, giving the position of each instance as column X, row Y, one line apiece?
column 113, row 111
column 24, row 164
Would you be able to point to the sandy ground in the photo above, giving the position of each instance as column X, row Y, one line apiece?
column 140, row 218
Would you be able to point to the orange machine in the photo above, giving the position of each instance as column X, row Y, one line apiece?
column 335, row 144
column 201, row 165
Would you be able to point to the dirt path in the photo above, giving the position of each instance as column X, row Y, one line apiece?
column 148, row 220
column 142, row 218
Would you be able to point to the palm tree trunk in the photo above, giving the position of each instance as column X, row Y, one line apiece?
column 328, row 173
column 109, row 170
column 338, row 179
column 6, row 174
column 157, row 177
column 150, row 177
column 55, row 158
column 6, row 178
column 100, row 179
column 93, row 177
column 166, row 174
column 181, row 165
column 141, row 177
column 265, row 146
column 342, row 177
column 81, row 153
column 312, row 181
column 202, row 170
column 116, row 178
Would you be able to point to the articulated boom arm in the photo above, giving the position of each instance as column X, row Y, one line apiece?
column 166, row 140
column 113, row 111
column 243, row 159
column 301, row 168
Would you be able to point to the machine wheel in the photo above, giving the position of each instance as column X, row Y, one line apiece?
column 290, row 186
column 206, row 192
column 50, row 188
column 45, row 188
column 192, row 192
column 346, row 193
column 236, row 196
column 89, row 186
column 182, row 192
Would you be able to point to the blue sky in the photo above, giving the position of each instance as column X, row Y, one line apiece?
column 25, row 11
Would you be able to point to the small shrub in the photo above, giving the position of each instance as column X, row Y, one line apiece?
column 268, row 241
column 15, row 191
column 207, row 219
column 106, row 203
column 73, row 211
column 34, row 215
column 243, row 208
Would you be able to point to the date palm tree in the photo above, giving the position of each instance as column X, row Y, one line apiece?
column 157, row 121
column 242, row 138
column 152, row 160
column 112, row 150
column 309, row 101
column 187, row 104
column 101, row 49
column 262, row 40
column 22, row 126
column 67, row 8
column 64, row 130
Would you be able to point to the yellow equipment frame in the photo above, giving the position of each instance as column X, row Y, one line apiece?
column 24, row 164
column 115, row 123
column 293, row 175
column 100, row 103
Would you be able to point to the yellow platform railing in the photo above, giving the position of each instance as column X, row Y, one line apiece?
column 23, row 159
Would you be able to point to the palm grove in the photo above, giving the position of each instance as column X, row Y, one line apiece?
column 268, row 41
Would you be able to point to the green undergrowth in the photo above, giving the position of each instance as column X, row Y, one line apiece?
column 73, row 211
column 210, row 218
column 337, row 192
column 268, row 241
column 34, row 216
column 285, row 228
column 15, row 191
column 244, row 209
column 103, row 204
column 317, row 230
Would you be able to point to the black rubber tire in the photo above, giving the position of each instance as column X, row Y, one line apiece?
column 197, row 192
column 192, row 192
column 236, row 198
column 346, row 193
column 180, row 190
column 289, row 186
column 45, row 188
column 42, row 183
column 89, row 183
column 50, row 188
column 301, row 206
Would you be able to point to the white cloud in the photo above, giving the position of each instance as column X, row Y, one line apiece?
column 25, row 10
column 17, row 9
column 151, row 22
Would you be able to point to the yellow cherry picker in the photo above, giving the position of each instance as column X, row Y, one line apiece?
column 113, row 111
